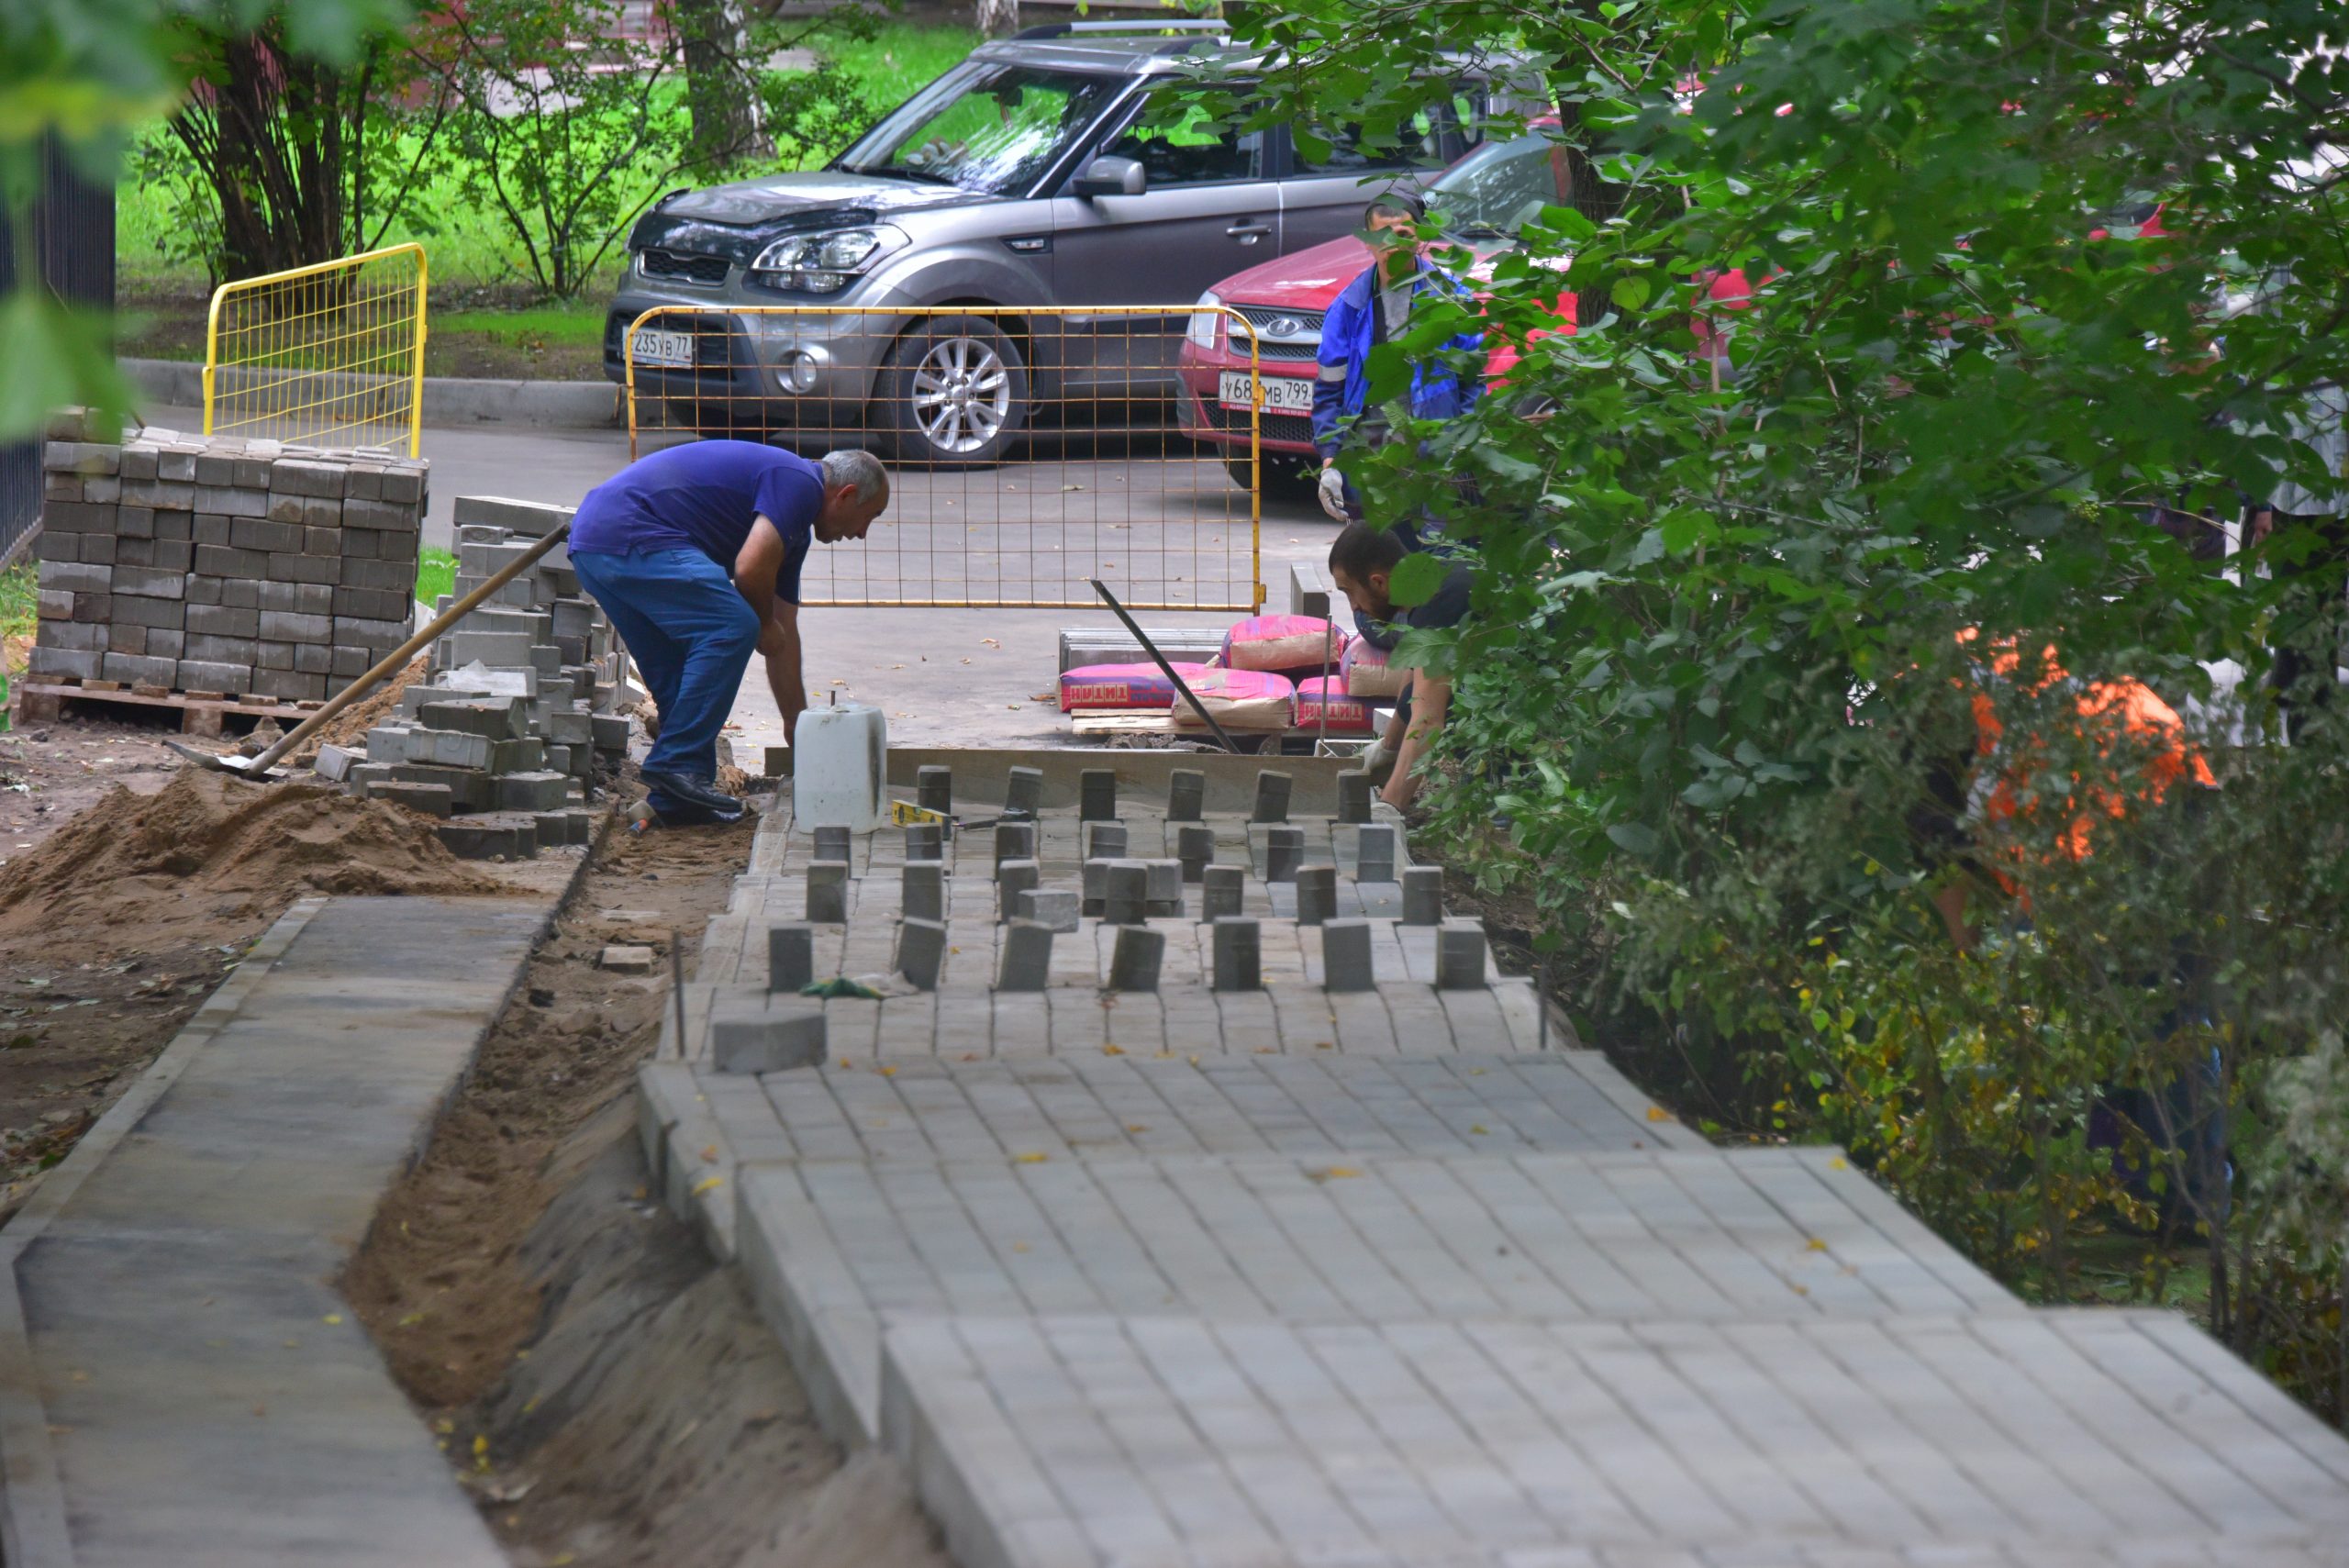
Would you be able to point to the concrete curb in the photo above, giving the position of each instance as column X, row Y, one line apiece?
column 449, row 402
column 33, row 1532
column 33, row 1529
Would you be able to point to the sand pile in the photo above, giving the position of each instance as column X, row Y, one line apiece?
column 133, row 870
column 349, row 726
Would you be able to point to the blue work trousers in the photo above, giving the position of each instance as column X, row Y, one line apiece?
column 691, row 635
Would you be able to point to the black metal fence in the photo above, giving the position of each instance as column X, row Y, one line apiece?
column 72, row 225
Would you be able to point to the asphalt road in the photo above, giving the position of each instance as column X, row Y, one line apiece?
column 1156, row 518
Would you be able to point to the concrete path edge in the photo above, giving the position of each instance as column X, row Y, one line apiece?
column 33, row 1529
column 32, row 1498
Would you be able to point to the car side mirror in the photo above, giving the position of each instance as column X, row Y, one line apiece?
column 1112, row 177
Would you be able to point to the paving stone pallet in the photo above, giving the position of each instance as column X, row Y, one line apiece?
column 1324, row 1247
column 216, row 564
column 201, row 713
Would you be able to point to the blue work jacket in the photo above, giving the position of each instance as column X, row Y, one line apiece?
column 1347, row 330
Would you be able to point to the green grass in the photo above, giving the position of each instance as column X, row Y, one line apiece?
column 19, row 600
column 577, row 324
column 466, row 247
column 902, row 58
column 435, row 573
column 18, row 604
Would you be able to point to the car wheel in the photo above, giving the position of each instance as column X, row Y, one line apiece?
column 954, row 393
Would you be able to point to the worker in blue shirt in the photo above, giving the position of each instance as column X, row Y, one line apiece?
column 695, row 554
column 1374, row 308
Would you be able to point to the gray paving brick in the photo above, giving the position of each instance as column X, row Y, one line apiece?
column 1294, row 1275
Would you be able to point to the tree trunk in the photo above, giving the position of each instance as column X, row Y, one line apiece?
column 999, row 18
column 274, row 137
column 720, row 93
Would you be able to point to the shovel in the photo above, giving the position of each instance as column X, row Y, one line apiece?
column 257, row 769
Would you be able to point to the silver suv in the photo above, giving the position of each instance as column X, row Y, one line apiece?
column 1025, row 176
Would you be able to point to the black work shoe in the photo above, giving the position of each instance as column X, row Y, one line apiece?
column 677, row 789
column 680, row 815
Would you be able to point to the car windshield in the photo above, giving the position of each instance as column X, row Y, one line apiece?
column 986, row 128
column 1501, row 186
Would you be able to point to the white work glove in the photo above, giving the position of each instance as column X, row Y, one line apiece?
column 1333, row 494
column 1378, row 762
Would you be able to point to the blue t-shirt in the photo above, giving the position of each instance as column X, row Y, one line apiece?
column 704, row 496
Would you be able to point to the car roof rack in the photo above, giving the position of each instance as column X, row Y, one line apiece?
column 1138, row 25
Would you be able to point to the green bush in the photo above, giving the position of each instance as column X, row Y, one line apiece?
column 1714, row 686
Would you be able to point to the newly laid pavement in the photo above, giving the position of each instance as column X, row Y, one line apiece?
column 181, row 1384
column 1397, row 1276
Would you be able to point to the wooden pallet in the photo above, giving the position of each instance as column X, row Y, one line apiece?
column 201, row 713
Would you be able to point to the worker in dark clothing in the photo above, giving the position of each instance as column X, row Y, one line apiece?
column 695, row 554
column 1361, row 566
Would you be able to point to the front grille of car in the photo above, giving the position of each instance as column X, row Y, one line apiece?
column 1296, row 427
column 684, row 268
column 1302, row 341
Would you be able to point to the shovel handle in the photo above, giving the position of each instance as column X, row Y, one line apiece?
column 398, row 657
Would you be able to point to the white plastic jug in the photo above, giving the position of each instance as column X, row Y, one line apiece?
column 840, row 767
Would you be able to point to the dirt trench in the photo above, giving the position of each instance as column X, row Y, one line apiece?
column 602, row 1387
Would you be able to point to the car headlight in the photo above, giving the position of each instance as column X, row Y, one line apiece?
column 1207, row 320
column 823, row 264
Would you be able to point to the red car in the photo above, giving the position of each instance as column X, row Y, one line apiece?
column 1489, row 194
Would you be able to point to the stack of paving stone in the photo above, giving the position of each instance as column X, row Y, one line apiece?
column 502, row 739
column 540, row 621
column 223, row 567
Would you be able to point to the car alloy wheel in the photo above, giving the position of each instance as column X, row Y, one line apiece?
column 962, row 396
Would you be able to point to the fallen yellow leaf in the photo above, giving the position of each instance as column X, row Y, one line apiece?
column 1113, row 1051
column 1839, row 1163
column 1478, row 1128
column 707, row 1183
column 1816, row 1245
column 888, row 1071
column 1658, row 1113
column 1031, row 1158
column 335, row 1317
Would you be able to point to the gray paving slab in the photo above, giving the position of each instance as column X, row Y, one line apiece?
column 1142, row 1440
column 1287, row 1277
column 837, row 1249
column 1099, row 1106
column 208, row 1397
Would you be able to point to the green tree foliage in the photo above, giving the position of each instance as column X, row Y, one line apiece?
column 1881, row 339
column 84, row 74
column 565, row 129
column 291, row 159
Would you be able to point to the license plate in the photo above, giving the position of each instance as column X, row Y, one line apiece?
column 1283, row 393
column 651, row 348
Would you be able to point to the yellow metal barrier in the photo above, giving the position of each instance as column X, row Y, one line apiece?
column 330, row 355
column 1031, row 450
